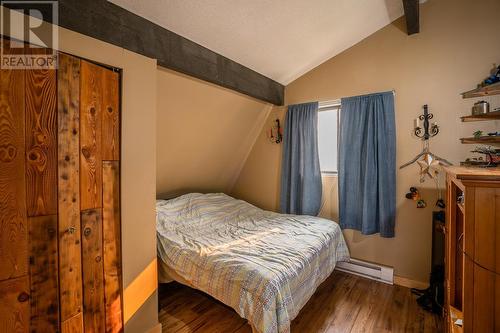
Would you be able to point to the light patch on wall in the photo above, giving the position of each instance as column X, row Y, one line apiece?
column 139, row 290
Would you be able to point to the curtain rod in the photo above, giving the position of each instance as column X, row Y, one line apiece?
column 328, row 104
column 336, row 102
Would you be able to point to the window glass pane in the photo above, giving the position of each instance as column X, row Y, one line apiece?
column 327, row 140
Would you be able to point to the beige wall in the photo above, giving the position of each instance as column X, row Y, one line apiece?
column 457, row 46
column 258, row 181
column 138, row 168
column 204, row 133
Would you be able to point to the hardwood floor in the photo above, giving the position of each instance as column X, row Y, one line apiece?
column 343, row 303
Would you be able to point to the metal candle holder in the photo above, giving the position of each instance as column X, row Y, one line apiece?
column 427, row 132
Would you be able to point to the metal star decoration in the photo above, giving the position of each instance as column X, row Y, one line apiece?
column 428, row 167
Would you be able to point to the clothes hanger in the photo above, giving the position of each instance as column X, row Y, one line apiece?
column 425, row 151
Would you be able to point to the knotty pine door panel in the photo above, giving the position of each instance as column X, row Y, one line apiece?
column 13, row 220
column 41, row 197
column 14, row 280
column 14, row 305
column 91, row 109
column 60, row 239
column 44, row 274
column 70, row 259
column 41, row 142
column 111, row 116
column 93, row 271
column 100, row 198
column 112, row 245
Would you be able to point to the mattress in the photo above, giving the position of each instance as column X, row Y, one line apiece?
column 263, row 264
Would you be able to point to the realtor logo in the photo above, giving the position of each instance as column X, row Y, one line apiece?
column 32, row 36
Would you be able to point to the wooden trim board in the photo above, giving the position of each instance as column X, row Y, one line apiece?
column 409, row 283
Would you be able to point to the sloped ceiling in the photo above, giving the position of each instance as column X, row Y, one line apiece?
column 281, row 39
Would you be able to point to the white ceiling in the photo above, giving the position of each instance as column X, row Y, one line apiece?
column 281, row 39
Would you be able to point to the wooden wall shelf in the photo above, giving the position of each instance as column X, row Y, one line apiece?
column 482, row 140
column 481, row 117
column 492, row 89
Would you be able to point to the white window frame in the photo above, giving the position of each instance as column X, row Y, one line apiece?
column 329, row 106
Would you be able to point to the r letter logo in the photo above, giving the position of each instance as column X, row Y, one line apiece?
column 30, row 34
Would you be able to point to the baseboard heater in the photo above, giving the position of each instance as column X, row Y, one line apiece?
column 368, row 270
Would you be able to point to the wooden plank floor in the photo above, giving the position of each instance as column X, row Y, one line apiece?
column 343, row 303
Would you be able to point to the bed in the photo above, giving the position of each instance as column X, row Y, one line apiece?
column 263, row 264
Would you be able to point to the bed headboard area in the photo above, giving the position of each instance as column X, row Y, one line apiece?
column 178, row 193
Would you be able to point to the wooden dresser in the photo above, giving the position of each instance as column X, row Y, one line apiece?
column 472, row 291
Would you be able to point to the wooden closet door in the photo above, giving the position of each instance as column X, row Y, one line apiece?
column 100, row 198
column 60, row 237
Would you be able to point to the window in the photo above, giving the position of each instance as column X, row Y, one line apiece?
column 328, row 125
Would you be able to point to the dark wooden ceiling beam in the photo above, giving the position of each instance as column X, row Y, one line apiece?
column 411, row 8
column 110, row 23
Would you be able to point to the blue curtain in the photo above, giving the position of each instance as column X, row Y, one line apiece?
column 300, row 172
column 367, row 164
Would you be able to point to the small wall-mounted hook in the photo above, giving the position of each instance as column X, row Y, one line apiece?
column 279, row 136
column 275, row 133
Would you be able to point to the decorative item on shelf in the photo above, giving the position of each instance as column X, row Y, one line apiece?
column 275, row 133
column 427, row 161
column 491, row 159
column 493, row 78
column 494, row 133
column 474, row 162
column 477, row 134
column 481, row 107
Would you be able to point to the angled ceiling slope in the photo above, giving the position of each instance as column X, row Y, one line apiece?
column 281, row 39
